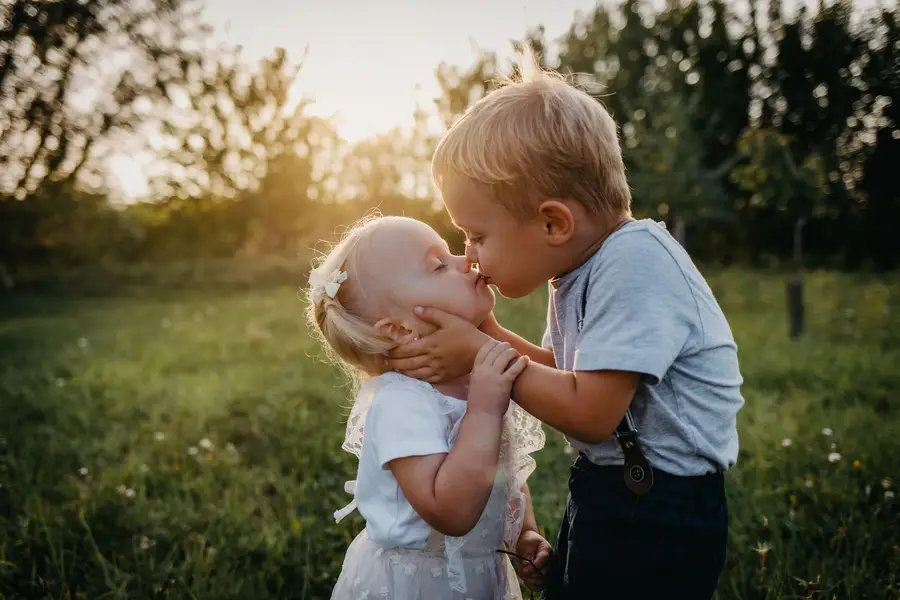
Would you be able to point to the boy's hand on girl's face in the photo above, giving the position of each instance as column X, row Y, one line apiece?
column 447, row 353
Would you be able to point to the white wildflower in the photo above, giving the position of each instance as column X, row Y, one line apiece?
column 827, row 431
column 192, row 450
column 83, row 471
column 834, row 457
column 159, row 436
column 82, row 342
column 129, row 493
column 888, row 494
column 786, row 442
column 205, row 444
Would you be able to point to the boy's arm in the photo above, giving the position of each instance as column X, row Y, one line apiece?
column 638, row 317
column 584, row 405
column 523, row 346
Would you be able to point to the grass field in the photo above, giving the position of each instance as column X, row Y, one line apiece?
column 187, row 445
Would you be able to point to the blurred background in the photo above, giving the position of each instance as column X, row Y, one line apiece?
column 159, row 131
column 169, row 167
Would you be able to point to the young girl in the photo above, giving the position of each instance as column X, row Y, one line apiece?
column 442, row 469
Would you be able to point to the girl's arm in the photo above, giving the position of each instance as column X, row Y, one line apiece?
column 530, row 523
column 450, row 490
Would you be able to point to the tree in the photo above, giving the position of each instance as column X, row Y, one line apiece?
column 665, row 155
column 75, row 74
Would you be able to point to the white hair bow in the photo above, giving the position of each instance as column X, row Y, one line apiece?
column 322, row 286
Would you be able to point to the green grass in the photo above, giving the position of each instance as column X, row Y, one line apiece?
column 187, row 445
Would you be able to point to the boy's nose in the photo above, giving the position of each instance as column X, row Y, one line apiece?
column 464, row 264
column 471, row 256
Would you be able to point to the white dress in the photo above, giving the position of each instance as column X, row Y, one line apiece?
column 398, row 555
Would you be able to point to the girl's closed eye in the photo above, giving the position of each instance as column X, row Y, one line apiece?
column 441, row 267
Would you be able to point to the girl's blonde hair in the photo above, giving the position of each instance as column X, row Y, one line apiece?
column 349, row 338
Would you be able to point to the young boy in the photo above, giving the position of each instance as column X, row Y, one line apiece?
column 533, row 174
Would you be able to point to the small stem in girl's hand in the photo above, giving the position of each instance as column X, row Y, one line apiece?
column 526, row 559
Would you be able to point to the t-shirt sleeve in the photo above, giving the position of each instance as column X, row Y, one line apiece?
column 639, row 311
column 547, row 339
column 405, row 422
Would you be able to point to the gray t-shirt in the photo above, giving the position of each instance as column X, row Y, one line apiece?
column 648, row 310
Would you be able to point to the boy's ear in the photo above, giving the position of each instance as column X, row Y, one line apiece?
column 394, row 329
column 557, row 221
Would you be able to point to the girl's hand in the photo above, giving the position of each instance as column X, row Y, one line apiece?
column 534, row 547
column 445, row 354
column 496, row 367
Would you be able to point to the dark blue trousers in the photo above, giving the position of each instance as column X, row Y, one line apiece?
column 612, row 543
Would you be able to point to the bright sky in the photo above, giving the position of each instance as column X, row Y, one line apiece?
column 371, row 61
column 366, row 58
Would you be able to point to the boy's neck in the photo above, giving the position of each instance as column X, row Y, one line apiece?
column 592, row 237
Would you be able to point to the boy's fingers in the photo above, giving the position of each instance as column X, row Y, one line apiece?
column 425, row 374
column 409, row 349
column 437, row 317
column 409, row 364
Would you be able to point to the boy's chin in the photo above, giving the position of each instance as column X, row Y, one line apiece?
column 511, row 293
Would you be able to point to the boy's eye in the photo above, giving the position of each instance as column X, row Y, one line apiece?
column 475, row 239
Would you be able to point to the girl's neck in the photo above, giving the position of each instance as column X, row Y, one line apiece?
column 456, row 388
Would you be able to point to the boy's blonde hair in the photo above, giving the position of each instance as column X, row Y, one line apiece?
column 535, row 138
column 349, row 338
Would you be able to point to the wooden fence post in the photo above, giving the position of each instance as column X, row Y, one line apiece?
column 680, row 231
column 795, row 286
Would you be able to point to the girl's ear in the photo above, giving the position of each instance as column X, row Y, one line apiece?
column 394, row 329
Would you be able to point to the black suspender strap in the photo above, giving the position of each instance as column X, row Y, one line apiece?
column 638, row 473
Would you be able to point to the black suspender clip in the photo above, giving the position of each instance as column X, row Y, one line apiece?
column 638, row 473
